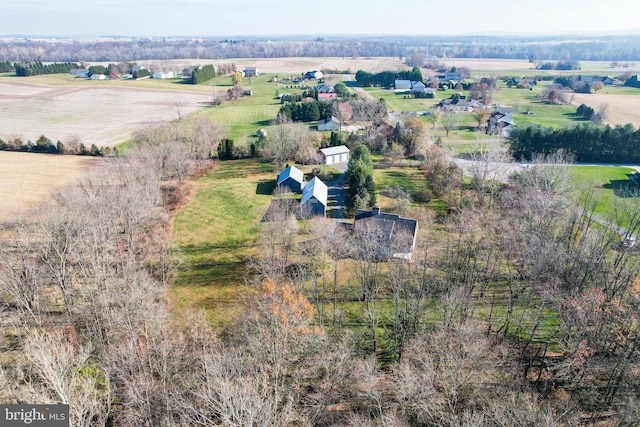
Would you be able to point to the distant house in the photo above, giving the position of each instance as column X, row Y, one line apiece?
column 326, row 97
column 455, row 104
column 331, row 155
column 607, row 81
column 325, row 88
column 313, row 74
column 402, row 86
column 331, row 124
column 501, row 123
column 162, row 75
column 98, row 77
column 80, row 72
column 251, row 72
column 418, row 87
column 455, row 77
column 314, row 199
column 408, row 86
column 291, row 178
column 394, row 236
column 474, row 103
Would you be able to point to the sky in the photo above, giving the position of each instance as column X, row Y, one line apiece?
column 77, row 18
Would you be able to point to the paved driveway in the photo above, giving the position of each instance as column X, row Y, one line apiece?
column 336, row 196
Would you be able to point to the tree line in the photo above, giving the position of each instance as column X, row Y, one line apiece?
column 587, row 142
column 203, row 74
column 6, row 67
column 604, row 48
column 387, row 78
column 36, row 68
column 46, row 145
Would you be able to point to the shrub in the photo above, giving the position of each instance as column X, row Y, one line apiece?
column 424, row 196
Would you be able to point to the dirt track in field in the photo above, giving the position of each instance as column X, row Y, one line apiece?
column 103, row 116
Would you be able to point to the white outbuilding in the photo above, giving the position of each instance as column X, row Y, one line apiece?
column 339, row 154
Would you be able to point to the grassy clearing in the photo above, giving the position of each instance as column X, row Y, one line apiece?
column 412, row 180
column 611, row 185
column 245, row 116
column 215, row 234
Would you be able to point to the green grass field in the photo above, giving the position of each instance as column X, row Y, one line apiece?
column 215, row 234
column 245, row 116
column 612, row 188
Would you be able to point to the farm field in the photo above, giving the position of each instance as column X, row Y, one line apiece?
column 620, row 109
column 296, row 65
column 28, row 179
column 104, row 115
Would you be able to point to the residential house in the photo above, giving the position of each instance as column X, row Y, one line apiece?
column 339, row 154
column 418, row 87
column 331, row 124
column 606, row 81
column 475, row 104
column 402, row 86
column 251, row 72
column 408, row 86
column 501, row 123
column 313, row 75
column 325, row 88
column 392, row 235
column 455, row 77
column 80, row 72
column 455, row 104
column 162, row 75
column 292, row 179
column 314, row 199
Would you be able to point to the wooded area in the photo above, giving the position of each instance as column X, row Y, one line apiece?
column 605, row 48
column 587, row 142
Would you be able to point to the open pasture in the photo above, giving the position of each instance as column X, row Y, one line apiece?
column 28, row 179
column 103, row 114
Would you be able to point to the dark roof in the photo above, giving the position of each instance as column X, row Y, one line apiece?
column 396, row 235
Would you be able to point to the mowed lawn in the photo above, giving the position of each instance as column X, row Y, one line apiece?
column 215, row 235
column 612, row 188
column 245, row 116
